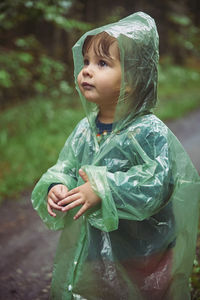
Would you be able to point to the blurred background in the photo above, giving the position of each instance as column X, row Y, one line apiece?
column 39, row 106
column 38, row 102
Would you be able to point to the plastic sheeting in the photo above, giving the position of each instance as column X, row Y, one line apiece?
column 140, row 242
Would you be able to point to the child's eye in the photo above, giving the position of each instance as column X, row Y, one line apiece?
column 102, row 63
column 86, row 62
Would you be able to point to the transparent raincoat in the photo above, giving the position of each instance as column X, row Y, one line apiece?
column 140, row 242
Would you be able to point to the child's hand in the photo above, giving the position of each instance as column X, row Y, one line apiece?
column 56, row 193
column 82, row 195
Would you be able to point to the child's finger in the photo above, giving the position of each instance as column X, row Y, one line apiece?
column 69, row 199
column 59, row 191
column 73, row 191
column 64, row 191
column 53, row 204
column 50, row 210
column 83, row 175
column 53, row 197
column 72, row 205
column 81, row 211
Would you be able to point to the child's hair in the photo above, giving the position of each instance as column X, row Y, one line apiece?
column 101, row 43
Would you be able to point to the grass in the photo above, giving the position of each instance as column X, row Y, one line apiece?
column 32, row 133
column 178, row 90
column 31, row 136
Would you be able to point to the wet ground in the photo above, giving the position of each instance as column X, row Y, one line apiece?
column 26, row 252
column 27, row 248
column 187, row 131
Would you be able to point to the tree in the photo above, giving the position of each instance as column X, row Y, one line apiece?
column 32, row 57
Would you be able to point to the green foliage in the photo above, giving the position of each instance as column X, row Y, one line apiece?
column 15, row 12
column 178, row 90
column 27, row 70
column 184, row 34
column 195, row 282
column 181, row 76
column 5, row 80
column 26, row 67
column 31, row 136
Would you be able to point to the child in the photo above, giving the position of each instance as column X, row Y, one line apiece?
column 123, row 191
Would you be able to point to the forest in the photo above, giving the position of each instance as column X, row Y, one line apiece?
column 37, row 37
column 38, row 103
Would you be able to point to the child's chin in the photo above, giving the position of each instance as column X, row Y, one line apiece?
column 91, row 100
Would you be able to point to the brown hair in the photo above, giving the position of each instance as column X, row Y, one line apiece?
column 101, row 43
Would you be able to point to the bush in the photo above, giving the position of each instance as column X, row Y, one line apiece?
column 28, row 70
column 32, row 134
column 27, row 66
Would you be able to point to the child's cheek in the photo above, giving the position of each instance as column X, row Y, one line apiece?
column 79, row 80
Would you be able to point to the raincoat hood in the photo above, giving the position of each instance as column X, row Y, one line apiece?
column 138, row 45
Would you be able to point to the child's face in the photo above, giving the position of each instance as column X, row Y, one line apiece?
column 100, row 78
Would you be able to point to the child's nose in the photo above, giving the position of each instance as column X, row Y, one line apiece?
column 87, row 71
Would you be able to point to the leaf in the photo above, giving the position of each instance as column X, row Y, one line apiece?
column 25, row 57
column 5, row 79
column 182, row 20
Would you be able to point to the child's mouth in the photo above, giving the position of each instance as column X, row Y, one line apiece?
column 87, row 86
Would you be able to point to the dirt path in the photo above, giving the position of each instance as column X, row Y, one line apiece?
column 188, row 132
column 27, row 247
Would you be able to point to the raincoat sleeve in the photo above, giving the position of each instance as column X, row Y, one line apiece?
column 137, row 193
column 63, row 172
